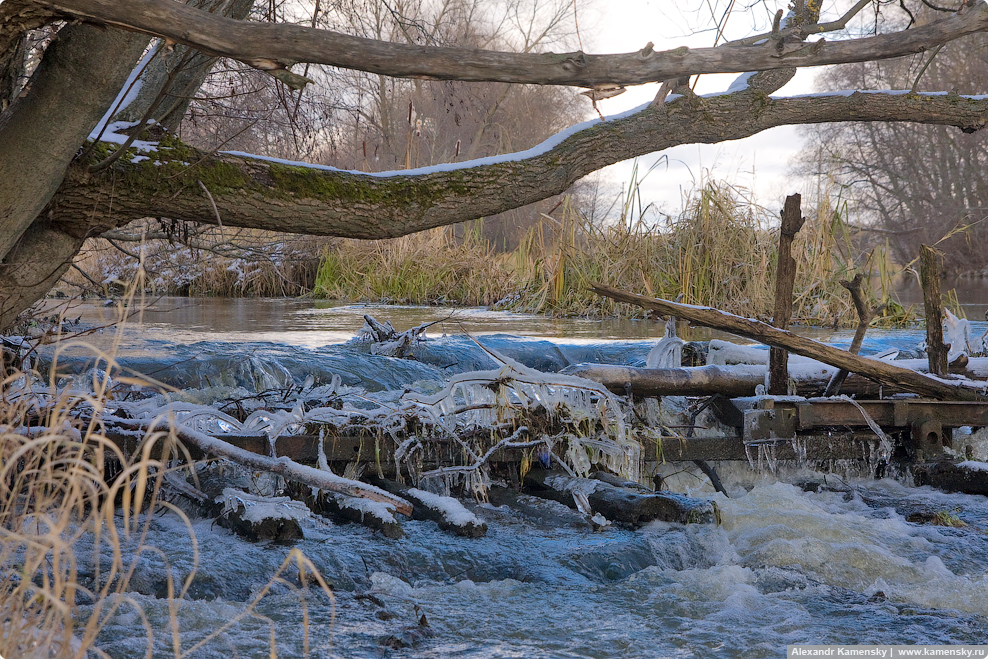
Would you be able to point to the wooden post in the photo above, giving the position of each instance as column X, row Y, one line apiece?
column 930, row 263
column 785, row 276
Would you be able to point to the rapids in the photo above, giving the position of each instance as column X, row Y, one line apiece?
column 784, row 566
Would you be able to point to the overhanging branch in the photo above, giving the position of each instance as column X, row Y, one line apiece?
column 275, row 47
column 261, row 194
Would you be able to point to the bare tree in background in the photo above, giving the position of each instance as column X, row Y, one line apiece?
column 913, row 184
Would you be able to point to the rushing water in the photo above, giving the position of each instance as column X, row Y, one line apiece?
column 784, row 566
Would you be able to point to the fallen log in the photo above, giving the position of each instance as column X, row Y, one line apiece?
column 619, row 504
column 732, row 381
column 883, row 372
column 283, row 466
column 447, row 512
column 740, row 380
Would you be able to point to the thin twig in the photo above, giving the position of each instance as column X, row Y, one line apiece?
column 219, row 221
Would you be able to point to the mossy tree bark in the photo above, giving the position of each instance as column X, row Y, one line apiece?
column 257, row 193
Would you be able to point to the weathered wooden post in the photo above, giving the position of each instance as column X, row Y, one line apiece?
column 930, row 264
column 792, row 222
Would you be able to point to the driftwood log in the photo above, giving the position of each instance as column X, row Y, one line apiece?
column 620, row 504
column 883, row 372
column 741, row 379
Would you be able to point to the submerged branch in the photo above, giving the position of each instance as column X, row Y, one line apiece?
column 283, row 466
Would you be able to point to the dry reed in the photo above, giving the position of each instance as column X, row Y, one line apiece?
column 63, row 481
column 431, row 267
column 719, row 253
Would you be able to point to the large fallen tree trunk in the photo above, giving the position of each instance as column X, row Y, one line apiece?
column 883, row 372
column 741, row 379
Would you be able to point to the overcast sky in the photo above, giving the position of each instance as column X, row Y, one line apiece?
column 759, row 162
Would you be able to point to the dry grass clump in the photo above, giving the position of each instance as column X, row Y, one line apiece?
column 431, row 267
column 65, row 485
column 719, row 253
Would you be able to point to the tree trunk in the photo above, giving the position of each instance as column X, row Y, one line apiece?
column 930, row 264
column 278, row 196
column 40, row 133
column 274, row 47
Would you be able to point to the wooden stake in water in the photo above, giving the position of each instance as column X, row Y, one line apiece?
column 930, row 263
column 792, row 222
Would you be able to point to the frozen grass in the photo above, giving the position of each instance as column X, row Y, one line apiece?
column 201, row 261
column 61, row 480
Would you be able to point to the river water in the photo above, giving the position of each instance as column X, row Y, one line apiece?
column 784, row 566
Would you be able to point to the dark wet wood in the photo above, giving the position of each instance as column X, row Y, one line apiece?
column 785, row 277
column 930, row 264
column 619, row 504
column 951, row 477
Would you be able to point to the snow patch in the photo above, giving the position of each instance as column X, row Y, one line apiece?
column 517, row 156
column 451, row 509
column 258, row 509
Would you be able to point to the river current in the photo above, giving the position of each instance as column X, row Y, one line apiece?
column 784, row 566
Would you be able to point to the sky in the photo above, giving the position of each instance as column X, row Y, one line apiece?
column 759, row 163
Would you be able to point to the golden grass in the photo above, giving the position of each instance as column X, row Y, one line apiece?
column 717, row 253
column 63, row 480
column 720, row 251
column 431, row 267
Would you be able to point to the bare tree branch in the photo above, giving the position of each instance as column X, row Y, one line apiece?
column 276, row 47
column 262, row 194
